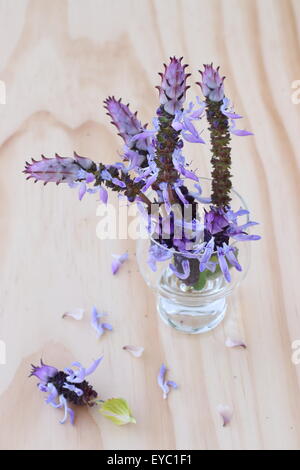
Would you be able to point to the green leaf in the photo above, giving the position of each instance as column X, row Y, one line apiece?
column 118, row 411
column 200, row 284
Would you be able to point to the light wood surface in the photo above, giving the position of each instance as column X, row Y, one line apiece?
column 59, row 60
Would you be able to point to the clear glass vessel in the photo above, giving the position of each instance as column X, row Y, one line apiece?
column 183, row 307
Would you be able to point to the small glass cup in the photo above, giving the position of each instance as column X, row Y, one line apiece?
column 183, row 307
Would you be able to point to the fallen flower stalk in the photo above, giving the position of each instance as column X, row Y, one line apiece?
column 69, row 388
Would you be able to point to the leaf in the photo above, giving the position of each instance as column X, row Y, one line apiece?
column 118, row 411
column 200, row 284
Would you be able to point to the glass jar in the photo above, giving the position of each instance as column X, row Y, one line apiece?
column 186, row 308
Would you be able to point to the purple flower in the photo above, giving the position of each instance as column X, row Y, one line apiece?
column 118, row 182
column 165, row 193
column 212, row 83
column 63, row 403
column 97, row 324
column 78, row 375
column 103, row 195
column 223, row 263
column 43, row 372
column 105, row 175
column 207, row 254
column 183, row 122
column 117, row 262
column 74, row 389
column 82, row 190
column 149, row 182
column 185, row 267
column 173, row 86
column 135, row 159
column 126, row 122
column 158, row 253
column 197, row 195
column 179, row 164
column 237, row 232
column 226, row 253
column 190, row 133
column 215, row 220
column 59, row 402
column 163, row 383
column 61, row 389
column 239, row 132
column 227, row 110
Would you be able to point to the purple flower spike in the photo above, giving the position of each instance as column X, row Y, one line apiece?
column 117, row 262
column 97, row 324
column 44, row 372
column 61, row 389
column 173, row 86
column 165, row 385
column 59, row 169
column 212, row 83
column 126, row 122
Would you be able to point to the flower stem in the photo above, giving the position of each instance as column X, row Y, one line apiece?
column 167, row 141
column 221, row 159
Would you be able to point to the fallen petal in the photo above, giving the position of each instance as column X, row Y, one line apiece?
column 226, row 413
column 107, row 326
column 82, row 190
column 163, row 383
column 235, row 343
column 97, row 324
column 117, row 262
column 77, row 314
column 136, row 351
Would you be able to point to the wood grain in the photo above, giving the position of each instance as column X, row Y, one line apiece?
column 59, row 60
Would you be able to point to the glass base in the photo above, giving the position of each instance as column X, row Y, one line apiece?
column 191, row 319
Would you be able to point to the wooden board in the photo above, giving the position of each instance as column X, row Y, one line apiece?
column 59, row 59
